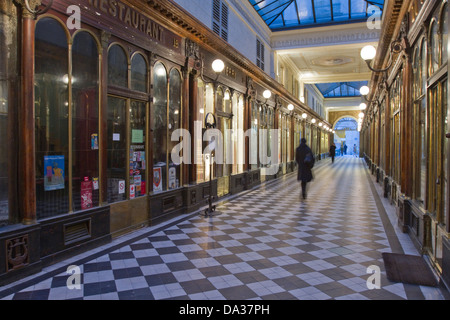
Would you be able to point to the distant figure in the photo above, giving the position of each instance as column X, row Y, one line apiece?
column 342, row 149
column 345, row 149
column 332, row 152
column 355, row 150
column 305, row 160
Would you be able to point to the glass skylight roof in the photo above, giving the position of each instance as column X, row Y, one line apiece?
column 290, row 14
column 341, row 89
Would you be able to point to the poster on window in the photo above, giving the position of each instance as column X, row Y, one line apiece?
column 54, row 173
column 86, row 194
column 94, row 141
column 157, row 179
column 172, row 178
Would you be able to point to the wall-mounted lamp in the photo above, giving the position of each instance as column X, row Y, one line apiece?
column 363, row 106
column 304, row 116
column 364, row 90
column 267, row 94
column 290, row 107
column 217, row 66
column 368, row 53
column 320, row 124
column 313, row 120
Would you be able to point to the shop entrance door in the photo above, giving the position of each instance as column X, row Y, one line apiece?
column 438, row 172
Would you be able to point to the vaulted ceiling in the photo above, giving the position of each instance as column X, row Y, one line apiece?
column 323, row 40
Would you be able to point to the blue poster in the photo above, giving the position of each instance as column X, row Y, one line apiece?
column 54, row 173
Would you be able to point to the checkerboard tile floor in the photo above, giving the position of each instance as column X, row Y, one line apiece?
column 267, row 243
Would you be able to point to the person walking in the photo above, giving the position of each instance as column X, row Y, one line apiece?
column 332, row 152
column 305, row 160
column 345, row 149
column 355, row 150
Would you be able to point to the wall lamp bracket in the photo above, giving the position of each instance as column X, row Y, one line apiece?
column 34, row 10
column 217, row 66
column 368, row 54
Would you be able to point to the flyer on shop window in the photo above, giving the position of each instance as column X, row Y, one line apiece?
column 54, row 173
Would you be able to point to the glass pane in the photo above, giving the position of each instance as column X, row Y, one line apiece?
column 117, row 149
column 358, row 9
column 423, row 150
column 444, row 32
column 254, row 138
column 306, row 13
column 51, row 119
column 3, row 150
column 340, row 10
column 219, row 100
column 434, row 48
column 138, row 159
column 85, row 133
column 446, row 129
column 240, row 141
column 227, row 102
column 424, row 66
column 159, row 125
column 117, row 66
column 139, row 73
column 199, row 161
column 322, row 10
column 174, row 124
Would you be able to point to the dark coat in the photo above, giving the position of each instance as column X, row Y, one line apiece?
column 332, row 150
column 304, row 173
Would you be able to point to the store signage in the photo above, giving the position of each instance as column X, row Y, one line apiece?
column 129, row 16
column 134, row 20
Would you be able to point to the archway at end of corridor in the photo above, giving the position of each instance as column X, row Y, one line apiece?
column 347, row 137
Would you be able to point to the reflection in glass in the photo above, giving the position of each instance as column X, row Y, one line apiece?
column 85, row 113
column 117, row 150
column 434, row 47
column 445, row 150
column 117, row 66
column 4, row 206
column 444, row 35
column 139, row 73
column 159, row 119
column 174, row 124
column 138, row 159
column 51, row 119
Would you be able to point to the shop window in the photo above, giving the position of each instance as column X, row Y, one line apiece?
column 117, row 149
column 8, row 80
column 420, row 122
column 175, row 85
column 288, row 139
column 117, row 66
column 138, row 159
column 159, row 119
column 254, row 136
column 166, row 119
column 434, row 48
column 85, row 122
column 200, row 116
column 238, row 134
column 51, row 118
column 444, row 35
column 139, row 73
